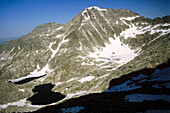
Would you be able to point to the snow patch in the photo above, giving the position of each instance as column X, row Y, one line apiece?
column 89, row 63
column 160, row 30
column 97, row 8
column 71, row 79
column 64, row 41
column 22, row 90
column 54, row 52
column 72, row 109
column 81, row 47
column 82, row 57
column 133, row 30
column 58, row 83
column 162, row 75
column 166, row 24
column 75, row 94
column 139, row 77
column 156, row 86
column 142, row 97
column 114, row 52
column 59, row 28
column 2, row 58
column 22, row 102
column 35, row 73
column 38, row 67
column 103, row 76
column 167, row 85
column 12, row 49
column 123, row 87
column 86, row 16
column 144, row 23
column 60, row 35
column 129, row 18
column 65, row 50
column 88, row 78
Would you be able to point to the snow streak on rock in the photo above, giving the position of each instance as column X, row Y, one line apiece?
column 134, row 30
column 88, row 78
column 129, row 18
column 75, row 94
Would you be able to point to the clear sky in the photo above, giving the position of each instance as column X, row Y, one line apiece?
column 19, row 17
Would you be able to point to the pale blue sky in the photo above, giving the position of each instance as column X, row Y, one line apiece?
column 19, row 17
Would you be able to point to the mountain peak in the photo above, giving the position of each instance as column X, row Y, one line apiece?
column 96, row 7
column 92, row 8
column 81, row 56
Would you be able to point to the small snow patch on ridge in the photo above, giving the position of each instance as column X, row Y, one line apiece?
column 59, row 27
column 95, row 7
column 129, row 18
column 86, row 16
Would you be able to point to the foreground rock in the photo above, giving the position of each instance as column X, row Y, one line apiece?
column 130, row 98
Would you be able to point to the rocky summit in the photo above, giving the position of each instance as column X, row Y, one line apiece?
column 81, row 56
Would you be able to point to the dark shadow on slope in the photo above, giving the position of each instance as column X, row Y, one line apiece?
column 43, row 95
column 107, row 103
column 27, row 80
column 116, row 102
column 146, row 72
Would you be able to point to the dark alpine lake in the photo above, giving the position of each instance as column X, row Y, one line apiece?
column 43, row 95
